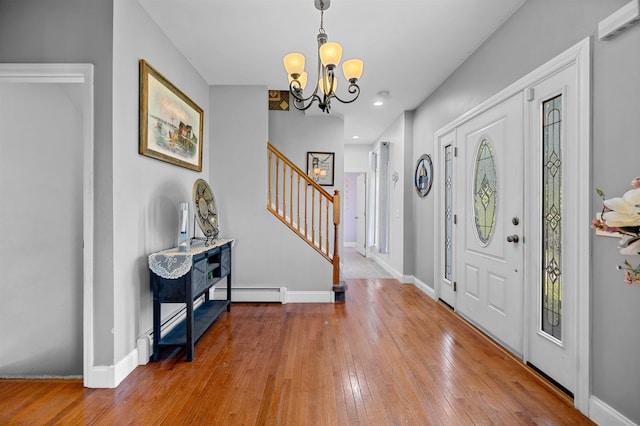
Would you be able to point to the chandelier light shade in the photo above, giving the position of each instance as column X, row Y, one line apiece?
column 329, row 56
column 294, row 63
column 352, row 69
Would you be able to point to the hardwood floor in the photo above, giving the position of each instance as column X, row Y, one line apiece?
column 389, row 355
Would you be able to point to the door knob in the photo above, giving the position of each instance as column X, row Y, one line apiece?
column 513, row 238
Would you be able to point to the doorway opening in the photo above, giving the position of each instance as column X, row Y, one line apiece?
column 55, row 133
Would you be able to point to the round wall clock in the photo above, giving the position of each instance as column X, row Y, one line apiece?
column 423, row 176
column 205, row 208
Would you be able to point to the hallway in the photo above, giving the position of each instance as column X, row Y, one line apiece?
column 354, row 265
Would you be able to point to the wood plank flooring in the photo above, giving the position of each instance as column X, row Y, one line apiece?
column 388, row 356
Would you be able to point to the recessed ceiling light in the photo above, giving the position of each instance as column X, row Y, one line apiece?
column 355, row 137
column 381, row 98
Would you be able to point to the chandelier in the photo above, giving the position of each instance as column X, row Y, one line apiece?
column 329, row 55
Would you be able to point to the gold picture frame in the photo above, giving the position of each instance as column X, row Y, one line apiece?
column 171, row 124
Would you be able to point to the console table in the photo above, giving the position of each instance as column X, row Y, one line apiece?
column 182, row 277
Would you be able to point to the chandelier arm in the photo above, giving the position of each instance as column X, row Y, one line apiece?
column 304, row 108
column 353, row 88
column 294, row 89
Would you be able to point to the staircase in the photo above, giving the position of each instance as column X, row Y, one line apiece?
column 305, row 208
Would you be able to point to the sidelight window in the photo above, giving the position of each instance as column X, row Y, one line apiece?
column 448, row 197
column 552, row 218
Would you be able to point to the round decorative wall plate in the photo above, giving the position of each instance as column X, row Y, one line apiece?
column 204, row 205
column 423, row 176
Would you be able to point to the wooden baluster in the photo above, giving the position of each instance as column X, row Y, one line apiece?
column 284, row 191
column 326, row 245
column 277, row 177
column 291, row 198
column 306, row 208
column 320, row 221
column 298, row 197
column 313, row 216
column 336, row 225
column 269, row 155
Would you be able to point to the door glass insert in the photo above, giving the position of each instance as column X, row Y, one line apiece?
column 552, row 218
column 485, row 192
column 448, row 194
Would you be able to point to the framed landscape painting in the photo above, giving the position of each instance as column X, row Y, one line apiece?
column 170, row 123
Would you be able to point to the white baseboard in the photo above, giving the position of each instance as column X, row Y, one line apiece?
column 349, row 244
column 125, row 366
column 100, row 376
column 429, row 291
column 405, row 279
column 603, row 414
column 384, row 265
column 110, row 376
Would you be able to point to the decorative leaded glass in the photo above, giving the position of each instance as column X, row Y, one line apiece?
column 552, row 218
column 448, row 194
column 485, row 192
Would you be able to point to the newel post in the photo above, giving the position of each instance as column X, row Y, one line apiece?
column 336, row 228
column 338, row 287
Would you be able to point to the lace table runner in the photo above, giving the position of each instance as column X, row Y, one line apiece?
column 172, row 264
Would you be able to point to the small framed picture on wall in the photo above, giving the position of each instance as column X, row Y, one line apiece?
column 320, row 167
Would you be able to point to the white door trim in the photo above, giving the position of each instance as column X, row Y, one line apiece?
column 72, row 74
column 580, row 56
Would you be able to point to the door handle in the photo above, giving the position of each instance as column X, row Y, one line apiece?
column 513, row 238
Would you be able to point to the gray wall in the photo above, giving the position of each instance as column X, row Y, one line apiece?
column 537, row 32
column 76, row 31
column 267, row 254
column 146, row 191
column 41, row 227
column 399, row 136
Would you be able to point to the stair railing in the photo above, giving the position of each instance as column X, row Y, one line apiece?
column 304, row 207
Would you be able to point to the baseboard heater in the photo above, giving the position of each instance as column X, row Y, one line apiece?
column 253, row 294
column 239, row 294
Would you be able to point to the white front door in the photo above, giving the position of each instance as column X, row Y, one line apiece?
column 522, row 170
column 361, row 223
column 488, row 244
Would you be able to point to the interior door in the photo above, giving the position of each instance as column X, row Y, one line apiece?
column 361, row 216
column 552, row 116
column 489, row 202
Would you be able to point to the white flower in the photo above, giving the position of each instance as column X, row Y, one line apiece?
column 630, row 247
column 624, row 211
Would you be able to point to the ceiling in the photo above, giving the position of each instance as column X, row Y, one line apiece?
column 409, row 47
